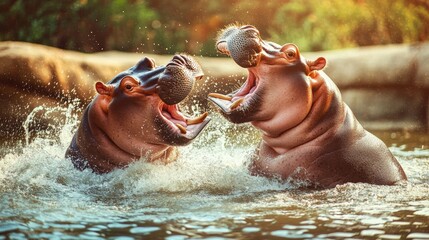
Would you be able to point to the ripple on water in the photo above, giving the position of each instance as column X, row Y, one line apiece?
column 418, row 235
column 390, row 236
column 10, row 227
column 177, row 237
column 293, row 227
column 214, row 230
column 121, row 225
column 300, row 234
column 144, row 230
column 250, row 229
column 422, row 212
column 371, row 232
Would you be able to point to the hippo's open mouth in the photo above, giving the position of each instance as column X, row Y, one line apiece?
column 244, row 45
column 244, row 101
column 180, row 124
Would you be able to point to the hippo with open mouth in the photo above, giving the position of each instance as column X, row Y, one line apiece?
column 136, row 115
column 308, row 133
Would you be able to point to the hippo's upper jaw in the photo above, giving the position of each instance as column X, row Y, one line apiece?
column 172, row 82
column 245, row 46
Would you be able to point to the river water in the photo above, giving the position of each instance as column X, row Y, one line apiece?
column 206, row 194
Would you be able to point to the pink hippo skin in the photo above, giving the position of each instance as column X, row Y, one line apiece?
column 135, row 115
column 309, row 133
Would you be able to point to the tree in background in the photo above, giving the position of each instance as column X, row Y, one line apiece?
column 83, row 25
column 400, row 21
column 322, row 25
column 168, row 27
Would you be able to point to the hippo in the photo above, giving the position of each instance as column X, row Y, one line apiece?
column 135, row 115
column 309, row 135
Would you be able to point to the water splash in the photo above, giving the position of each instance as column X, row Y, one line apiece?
column 62, row 122
column 216, row 162
column 41, row 163
column 206, row 192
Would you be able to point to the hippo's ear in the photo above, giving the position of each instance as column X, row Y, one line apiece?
column 145, row 63
column 104, row 89
column 317, row 64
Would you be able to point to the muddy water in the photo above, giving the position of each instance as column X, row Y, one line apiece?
column 207, row 193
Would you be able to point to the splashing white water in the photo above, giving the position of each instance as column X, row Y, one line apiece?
column 41, row 191
column 219, row 167
column 214, row 163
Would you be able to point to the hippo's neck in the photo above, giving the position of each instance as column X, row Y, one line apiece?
column 327, row 115
column 94, row 147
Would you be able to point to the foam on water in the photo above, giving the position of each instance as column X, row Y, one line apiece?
column 40, row 164
column 39, row 173
column 209, row 181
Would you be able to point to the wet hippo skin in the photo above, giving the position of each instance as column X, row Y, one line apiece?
column 308, row 133
column 136, row 115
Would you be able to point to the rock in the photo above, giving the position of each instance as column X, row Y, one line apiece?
column 422, row 65
column 386, row 109
column 371, row 66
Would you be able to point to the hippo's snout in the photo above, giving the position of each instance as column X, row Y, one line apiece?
column 178, row 79
column 243, row 44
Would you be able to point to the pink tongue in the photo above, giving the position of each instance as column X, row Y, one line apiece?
column 169, row 117
column 238, row 97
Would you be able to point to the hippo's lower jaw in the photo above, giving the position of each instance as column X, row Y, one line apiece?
column 180, row 126
column 241, row 105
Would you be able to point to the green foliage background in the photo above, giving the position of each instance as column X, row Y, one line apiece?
column 167, row 27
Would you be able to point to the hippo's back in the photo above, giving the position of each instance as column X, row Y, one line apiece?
column 358, row 156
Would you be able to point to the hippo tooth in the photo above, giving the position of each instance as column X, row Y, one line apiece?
column 220, row 96
column 236, row 103
column 181, row 128
column 197, row 120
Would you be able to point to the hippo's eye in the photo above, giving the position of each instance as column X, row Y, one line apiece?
column 290, row 54
column 128, row 87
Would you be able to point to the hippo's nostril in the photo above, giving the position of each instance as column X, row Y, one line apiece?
column 221, row 46
column 178, row 59
column 246, row 27
column 181, row 60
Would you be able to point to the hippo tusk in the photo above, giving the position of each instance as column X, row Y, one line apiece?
column 220, row 96
column 237, row 103
column 197, row 120
column 181, row 128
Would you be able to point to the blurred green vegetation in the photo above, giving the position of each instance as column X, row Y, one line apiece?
column 167, row 27
column 347, row 23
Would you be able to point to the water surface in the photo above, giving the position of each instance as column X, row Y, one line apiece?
column 206, row 193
